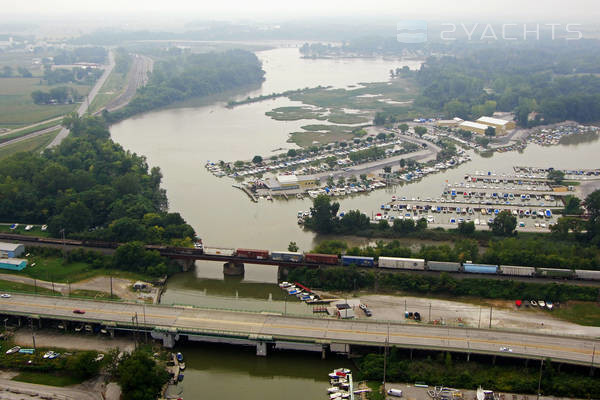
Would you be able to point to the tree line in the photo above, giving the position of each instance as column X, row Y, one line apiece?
column 89, row 187
column 181, row 76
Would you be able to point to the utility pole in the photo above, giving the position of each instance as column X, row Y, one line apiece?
column 32, row 333
column 491, row 316
column 385, row 349
column 111, row 292
column 592, row 366
column 429, row 312
column 35, row 285
column 69, row 283
column 479, row 324
column 540, row 380
column 145, row 327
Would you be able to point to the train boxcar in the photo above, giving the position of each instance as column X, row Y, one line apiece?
column 517, row 271
column 213, row 251
column 587, row 274
column 253, row 253
column 358, row 261
column 480, row 268
column 286, row 256
column 557, row 273
column 402, row 263
column 443, row 266
column 329, row 259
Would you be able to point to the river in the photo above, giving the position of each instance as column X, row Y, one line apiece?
column 181, row 140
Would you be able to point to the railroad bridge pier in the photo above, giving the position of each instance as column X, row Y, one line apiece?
column 186, row 263
column 232, row 268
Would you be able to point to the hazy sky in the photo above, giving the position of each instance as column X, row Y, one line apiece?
column 427, row 9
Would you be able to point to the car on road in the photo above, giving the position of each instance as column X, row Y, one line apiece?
column 506, row 349
column 78, row 311
column 5, row 296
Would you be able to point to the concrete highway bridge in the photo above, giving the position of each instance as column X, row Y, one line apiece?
column 268, row 331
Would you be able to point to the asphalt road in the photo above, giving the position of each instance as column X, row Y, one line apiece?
column 561, row 348
column 64, row 132
column 29, row 136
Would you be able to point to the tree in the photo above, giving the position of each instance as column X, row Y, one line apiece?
column 354, row 221
column 324, row 214
column 140, row 377
column 24, row 72
column 402, row 163
column 7, row 71
column 387, row 169
column 504, row 224
column 592, row 205
column 420, row 130
column 257, row 159
column 383, row 225
column 379, row 119
column 466, row 228
column 403, row 128
column 556, row 176
column 572, row 206
column 482, row 141
column 292, row 153
column 381, row 136
column 403, row 225
column 421, row 224
column 293, row 247
column 82, row 365
column 490, row 131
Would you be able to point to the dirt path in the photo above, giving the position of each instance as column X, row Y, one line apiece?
column 121, row 287
column 504, row 315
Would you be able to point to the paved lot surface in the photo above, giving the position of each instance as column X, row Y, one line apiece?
column 505, row 315
column 410, row 392
column 560, row 348
column 12, row 390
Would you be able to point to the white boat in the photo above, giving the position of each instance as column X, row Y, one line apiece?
column 483, row 394
column 533, row 303
column 542, row 303
column 13, row 350
column 549, row 305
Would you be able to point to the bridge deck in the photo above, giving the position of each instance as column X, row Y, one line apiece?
column 189, row 320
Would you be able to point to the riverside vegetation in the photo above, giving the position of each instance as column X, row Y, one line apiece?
column 180, row 76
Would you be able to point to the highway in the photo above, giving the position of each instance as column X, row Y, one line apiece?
column 270, row 327
column 64, row 132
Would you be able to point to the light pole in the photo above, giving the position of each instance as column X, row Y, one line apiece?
column 540, row 380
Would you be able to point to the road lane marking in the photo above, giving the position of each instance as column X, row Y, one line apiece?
column 324, row 330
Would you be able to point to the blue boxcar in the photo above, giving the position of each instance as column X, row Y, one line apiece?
column 480, row 268
column 286, row 256
column 358, row 261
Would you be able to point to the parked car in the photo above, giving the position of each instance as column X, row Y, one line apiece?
column 78, row 311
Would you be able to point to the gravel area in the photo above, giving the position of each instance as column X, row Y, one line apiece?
column 504, row 315
column 74, row 341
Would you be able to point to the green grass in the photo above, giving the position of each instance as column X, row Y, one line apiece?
column 57, row 270
column 34, row 144
column 582, row 313
column 22, row 132
column 111, row 89
column 8, row 286
column 93, row 294
column 17, row 108
column 375, row 393
column 47, row 378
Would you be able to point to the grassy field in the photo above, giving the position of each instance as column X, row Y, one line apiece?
column 296, row 113
column 21, row 132
column 47, row 378
column 17, row 108
column 583, row 313
column 57, row 270
column 111, row 89
column 8, row 286
column 93, row 294
column 318, row 134
column 34, row 144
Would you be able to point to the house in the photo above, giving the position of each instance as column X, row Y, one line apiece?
column 11, row 250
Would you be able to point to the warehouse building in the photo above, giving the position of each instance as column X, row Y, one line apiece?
column 502, row 126
column 291, row 182
column 449, row 123
column 11, row 250
column 474, row 127
column 14, row 264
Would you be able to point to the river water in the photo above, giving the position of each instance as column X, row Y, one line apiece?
column 181, row 140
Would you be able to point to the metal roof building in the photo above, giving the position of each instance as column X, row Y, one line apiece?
column 11, row 250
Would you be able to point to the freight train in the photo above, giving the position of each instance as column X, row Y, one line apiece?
column 392, row 263
column 408, row 264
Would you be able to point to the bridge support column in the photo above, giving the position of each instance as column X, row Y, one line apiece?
column 494, row 360
column 282, row 273
column 323, row 352
column 233, row 269
column 261, row 349
column 169, row 339
column 112, row 333
column 186, row 264
column 468, row 357
column 19, row 321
